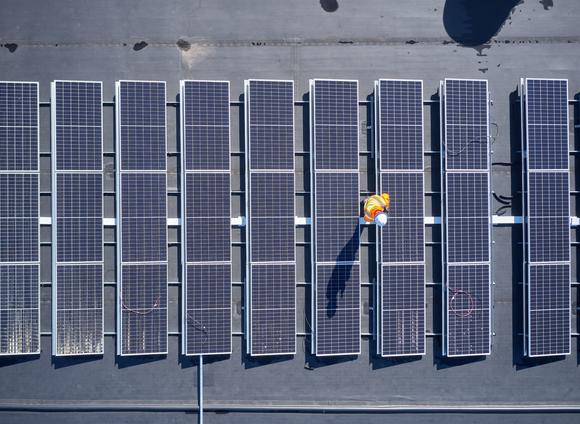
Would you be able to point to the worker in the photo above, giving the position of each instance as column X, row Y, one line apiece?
column 376, row 209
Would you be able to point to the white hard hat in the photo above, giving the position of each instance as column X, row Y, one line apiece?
column 381, row 219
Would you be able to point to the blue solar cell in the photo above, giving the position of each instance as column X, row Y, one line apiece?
column 79, row 217
column 548, row 221
column 19, row 309
column 337, row 309
column 400, row 132
column 273, row 309
column 207, row 230
column 143, row 299
column 271, row 103
column 79, row 309
column 468, row 217
column 466, row 125
column 206, row 103
column 18, row 104
column 142, row 103
column 208, row 309
column 468, row 303
column 19, row 218
column 143, row 217
column 403, row 310
column 403, row 238
column 18, row 148
column 207, row 148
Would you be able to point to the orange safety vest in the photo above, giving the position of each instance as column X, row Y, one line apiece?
column 376, row 204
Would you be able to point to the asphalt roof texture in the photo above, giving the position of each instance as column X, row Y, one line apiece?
column 501, row 41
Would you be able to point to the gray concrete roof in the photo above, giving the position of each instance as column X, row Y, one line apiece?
column 364, row 40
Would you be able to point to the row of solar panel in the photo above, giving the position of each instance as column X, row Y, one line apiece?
column 334, row 113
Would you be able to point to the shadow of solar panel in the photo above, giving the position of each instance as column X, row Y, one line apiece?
column 273, row 309
column 144, row 309
column 337, row 309
column 19, row 309
column 468, row 303
column 208, row 309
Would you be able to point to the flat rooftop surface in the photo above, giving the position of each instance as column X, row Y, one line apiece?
column 498, row 40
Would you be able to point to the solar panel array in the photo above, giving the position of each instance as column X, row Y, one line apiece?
column 399, row 131
column 335, row 224
column 206, row 227
column 141, row 218
column 19, row 223
column 271, row 242
column 548, row 217
column 467, row 229
column 77, row 218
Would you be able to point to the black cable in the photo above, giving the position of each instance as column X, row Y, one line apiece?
column 200, row 327
column 502, row 164
column 501, row 210
column 456, row 153
column 501, row 199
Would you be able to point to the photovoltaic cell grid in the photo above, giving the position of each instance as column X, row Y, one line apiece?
column 78, row 218
column 142, row 217
column 467, row 219
column 548, row 218
column 401, row 312
column 207, row 225
column 19, row 222
column 270, row 214
column 335, row 206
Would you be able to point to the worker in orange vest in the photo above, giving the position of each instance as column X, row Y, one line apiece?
column 376, row 208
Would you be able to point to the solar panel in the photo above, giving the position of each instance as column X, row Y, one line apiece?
column 271, row 316
column 335, row 206
column 547, row 205
column 467, row 227
column 143, row 299
column 207, row 225
column 401, row 254
column 338, row 309
column 19, row 219
column 468, row 308
column 142, row 217
column 77, row 218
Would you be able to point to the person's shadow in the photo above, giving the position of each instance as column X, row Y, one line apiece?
column 474, row 22
column 341, row 273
